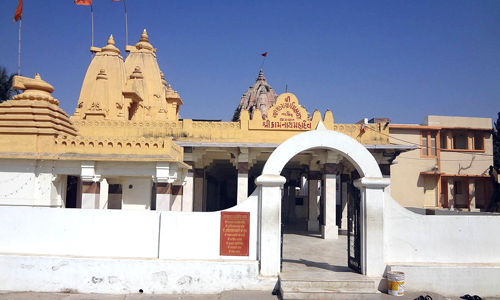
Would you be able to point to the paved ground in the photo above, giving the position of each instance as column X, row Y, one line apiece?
column 230, row 295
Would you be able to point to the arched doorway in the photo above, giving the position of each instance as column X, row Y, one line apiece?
column 371, row 185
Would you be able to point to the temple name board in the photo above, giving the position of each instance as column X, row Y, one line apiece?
column 285, row 114
column 234, row 233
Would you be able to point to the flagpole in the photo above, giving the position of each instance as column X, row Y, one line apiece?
column 126, row 24
column 92, row 21
column 19, row 50
column 263, row 62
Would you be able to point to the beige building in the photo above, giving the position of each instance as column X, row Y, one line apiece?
column 450, row 168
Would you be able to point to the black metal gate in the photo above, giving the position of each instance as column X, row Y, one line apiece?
column 353, row 228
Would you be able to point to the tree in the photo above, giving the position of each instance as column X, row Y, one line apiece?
column 496, row 143
column 6, row 90
column 494, row 203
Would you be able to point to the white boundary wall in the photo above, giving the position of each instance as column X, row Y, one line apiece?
column 113, row 251
column 196, row 235
column 448, row 254
column 414, row 238
column 78, row 232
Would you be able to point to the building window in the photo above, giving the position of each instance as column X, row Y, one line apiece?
column 478, row 141
column 429, row 145
column 462, row 140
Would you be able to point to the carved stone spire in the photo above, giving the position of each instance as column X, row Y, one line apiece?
column 260, row 96
column 110, row 47
column 143, row 43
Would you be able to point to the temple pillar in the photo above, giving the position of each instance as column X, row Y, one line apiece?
column 242, row 181
column 343, row 186
column 103, row 194
column 199, row 178
column 294, row 179
column 242, row 188
column 188, row 189
column 330, row 229
column 313, row 222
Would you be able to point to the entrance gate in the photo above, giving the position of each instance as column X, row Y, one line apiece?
column 353, row 228
column 369, row 257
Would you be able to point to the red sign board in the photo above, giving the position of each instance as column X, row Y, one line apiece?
column 234, row 233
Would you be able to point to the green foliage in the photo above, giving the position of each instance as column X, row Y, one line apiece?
column 496, row 143
column 236, row 115
column 6, row 90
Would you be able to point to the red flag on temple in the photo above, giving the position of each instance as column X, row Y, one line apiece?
column 264, row 54
column 19, row 11
column 83, row 2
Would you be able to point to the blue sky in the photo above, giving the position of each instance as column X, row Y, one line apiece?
column 397, row 59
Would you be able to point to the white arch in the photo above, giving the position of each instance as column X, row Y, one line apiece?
column 348, row 147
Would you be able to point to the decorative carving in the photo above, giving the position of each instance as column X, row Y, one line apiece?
column 95, row 106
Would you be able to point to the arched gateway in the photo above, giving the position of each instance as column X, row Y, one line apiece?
column 371, row 185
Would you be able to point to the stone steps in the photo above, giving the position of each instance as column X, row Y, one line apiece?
column 328, row 289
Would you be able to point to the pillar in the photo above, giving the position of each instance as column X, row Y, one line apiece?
column 270, row 223
column 294, row 181
column 199, row 178
column 343, row 226
column 188, row 189
column 242, row 188
column 163, row 196
column 313, row 222
column 242, row 181
column 103, row 193
column 330, row 229
column 372, row 224
column 292, row 216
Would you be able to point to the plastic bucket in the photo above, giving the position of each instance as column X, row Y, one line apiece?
column 396, row 283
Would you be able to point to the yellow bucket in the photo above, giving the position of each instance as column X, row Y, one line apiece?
column 396, row 283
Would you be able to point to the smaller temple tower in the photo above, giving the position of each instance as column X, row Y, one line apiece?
column 133, row 89
column 259, row 96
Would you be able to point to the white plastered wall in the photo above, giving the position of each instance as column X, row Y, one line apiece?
column 119, row 251
column 415, row 238
column 448, row 254
column 77, row 232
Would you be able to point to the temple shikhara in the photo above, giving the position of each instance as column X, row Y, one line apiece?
column 125, row 163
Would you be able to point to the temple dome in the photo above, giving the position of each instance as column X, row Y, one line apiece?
column 259, row 96
column 143, row 56
column 101, row 92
